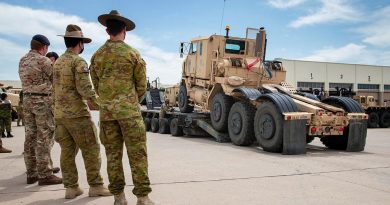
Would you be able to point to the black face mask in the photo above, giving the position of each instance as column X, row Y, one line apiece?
column 82, row 49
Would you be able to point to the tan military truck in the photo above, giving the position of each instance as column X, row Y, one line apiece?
column 378, row 116
column 229, row 90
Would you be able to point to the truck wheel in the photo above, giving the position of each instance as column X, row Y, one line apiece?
column 240, row 124
column 183, row 100
column 269, row 127
column 164, row 126
column 175, row 129
column 147, row 123
column 385, row 120
column 219, row 112
column 154, row 125
column 373, row 120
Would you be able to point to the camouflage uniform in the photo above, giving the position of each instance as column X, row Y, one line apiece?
column 5, row 117
column 74, row 128
column 119, row 77
column 35, row 72
column 20, row 109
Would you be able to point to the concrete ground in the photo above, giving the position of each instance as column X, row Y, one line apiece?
column 199, row 171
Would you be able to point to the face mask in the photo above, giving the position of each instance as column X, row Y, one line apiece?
column 82, row 49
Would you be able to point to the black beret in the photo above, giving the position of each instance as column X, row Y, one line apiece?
column 42, row 39
column 52, row 54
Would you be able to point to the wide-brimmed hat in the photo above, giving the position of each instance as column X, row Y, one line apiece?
column 74, row 31
column 114, row 14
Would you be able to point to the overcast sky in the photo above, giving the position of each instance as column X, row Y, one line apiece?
column 346, row 31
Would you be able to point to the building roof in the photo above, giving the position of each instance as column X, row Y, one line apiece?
column 13, row 83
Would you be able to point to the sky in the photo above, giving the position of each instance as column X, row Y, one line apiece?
column 344, row 31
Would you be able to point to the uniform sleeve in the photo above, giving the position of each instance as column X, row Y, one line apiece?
column 140, row 77
column 94, row 75
column 48, row 69
column 83, row 84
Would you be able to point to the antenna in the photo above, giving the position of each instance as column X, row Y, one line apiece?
column 223, row 14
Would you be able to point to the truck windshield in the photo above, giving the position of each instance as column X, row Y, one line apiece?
column 235, row 46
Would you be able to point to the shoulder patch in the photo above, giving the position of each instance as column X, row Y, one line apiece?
column 86, row 69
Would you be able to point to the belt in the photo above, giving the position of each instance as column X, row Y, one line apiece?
column 36, row 94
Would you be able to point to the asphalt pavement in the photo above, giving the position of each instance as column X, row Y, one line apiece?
column 200, row 171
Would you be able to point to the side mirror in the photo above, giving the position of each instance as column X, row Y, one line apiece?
column 181, row 49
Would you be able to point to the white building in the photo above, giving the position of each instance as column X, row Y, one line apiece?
column 363, row 79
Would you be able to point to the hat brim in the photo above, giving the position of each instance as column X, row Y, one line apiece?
column 85, row 39
column 130, row 25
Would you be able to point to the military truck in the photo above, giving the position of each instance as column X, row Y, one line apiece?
column 378, row 115
column 12, row 96
column 228, row 89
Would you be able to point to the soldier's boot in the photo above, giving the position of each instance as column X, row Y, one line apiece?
column 3, row 135
column 120, row 199
column 4, row 150
column 56, row 170
column 31, row 180
column 9, row 135
column 50, row 180
column 145, row 200
column 71, row 193
column 100, row 190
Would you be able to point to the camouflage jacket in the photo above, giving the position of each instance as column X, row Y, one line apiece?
column 119, row 75
column 72, row 86
column 36, row 73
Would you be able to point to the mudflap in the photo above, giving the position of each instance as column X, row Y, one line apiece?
column 357, row 133
column 294, row 137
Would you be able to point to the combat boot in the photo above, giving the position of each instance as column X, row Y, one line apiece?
column 3, row 135
column 120, row 199
column 50, row 180
column 32, row 180
column 144, row 201
column 100, row 190
column 72, row 193
column 9, row 135
column 4, row 150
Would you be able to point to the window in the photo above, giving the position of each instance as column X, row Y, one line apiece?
column 201, row 48
column 193, row 48
column 314, row 85
column 234, row 46
column 341, row 85
column 368, row 87
column 387, row 87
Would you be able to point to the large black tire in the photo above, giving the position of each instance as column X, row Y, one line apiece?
column 219, row 111
column 373, row 120
column 175, row 129
column 154, row 125
column 164, row 126
column 147, row 122
column 268, row 126
column 240, row 124
column 385, row 120
column 340, row 142
column 183, row 101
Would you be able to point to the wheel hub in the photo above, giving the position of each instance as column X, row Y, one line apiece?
column 267, row 126
column 236, row 123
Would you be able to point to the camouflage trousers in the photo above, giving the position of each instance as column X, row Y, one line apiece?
column 19, row 109
column 5, row 124
column 131, row 132
column 72, row 135
column 39, row 128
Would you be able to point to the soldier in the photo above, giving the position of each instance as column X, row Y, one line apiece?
column 5, row 116
column 20, row 110
column 53, row 56
column 119, row 76
column 35, row 73
column 74, row 127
